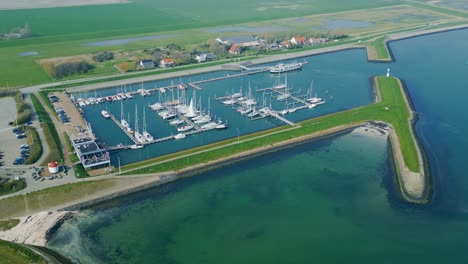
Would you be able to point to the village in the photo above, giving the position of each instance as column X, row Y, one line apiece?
column 231, row 46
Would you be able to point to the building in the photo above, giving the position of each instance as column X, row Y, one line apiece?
column 202, row 57
column 146, row 64
column 90, row 154
column 53, row 167
column 285, row 44
column 298, row 40
column 167, row 63
column 318, row 41
column 234, row 50
column 241, row 41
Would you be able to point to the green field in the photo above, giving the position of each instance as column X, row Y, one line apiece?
column 17, row 254
column 61, row 31
column 143, row 16
column 392, row 109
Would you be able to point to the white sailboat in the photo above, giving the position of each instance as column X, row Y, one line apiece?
column 191, row 110
column 148, row 136
column 123, row 122
column 138, row 136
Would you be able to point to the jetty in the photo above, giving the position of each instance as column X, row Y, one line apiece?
column 275, row 114
column 124, row 129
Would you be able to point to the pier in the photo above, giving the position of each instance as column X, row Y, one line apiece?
column 275, row 114
column 124, row 129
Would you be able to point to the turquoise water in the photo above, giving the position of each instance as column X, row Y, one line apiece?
column 331, row 201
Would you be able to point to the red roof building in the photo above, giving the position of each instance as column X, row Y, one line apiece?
column 298, row 40
column 234, row 50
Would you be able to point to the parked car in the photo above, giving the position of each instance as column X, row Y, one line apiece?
column 22, row 135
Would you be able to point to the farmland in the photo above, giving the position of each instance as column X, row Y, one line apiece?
column 65, row 31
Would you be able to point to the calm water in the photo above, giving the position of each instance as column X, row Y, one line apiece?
column 348, row 85
column 331, row 201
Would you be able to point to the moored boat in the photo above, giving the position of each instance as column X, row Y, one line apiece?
column 184, row 128
column 105, row 114
column 285, row 67
column 179, row 136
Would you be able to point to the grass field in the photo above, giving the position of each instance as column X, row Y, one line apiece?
column 65, row 30
column 392, row 109
column 17, row 254
column 8, row 224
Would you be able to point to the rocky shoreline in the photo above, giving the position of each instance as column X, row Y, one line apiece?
column 37, row 229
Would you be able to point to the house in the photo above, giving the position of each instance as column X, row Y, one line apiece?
column 318, row 41
column 285, row 44
column 146, row 64
column 202, row 57
column 297, row 40
column 234, row 50
column 167, row 62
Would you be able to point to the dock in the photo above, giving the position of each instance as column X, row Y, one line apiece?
column 124, row 129
column 275, row 114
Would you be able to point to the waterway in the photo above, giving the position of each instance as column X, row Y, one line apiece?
column 331, row 201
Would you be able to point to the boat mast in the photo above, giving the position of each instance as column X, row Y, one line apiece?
column 136, row 119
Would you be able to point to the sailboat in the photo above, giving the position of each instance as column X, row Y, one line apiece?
column 191, row 109
column 315, row 99
column 123, row 122
column 148, row 136
column 138, row 136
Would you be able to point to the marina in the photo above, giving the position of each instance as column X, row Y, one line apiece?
column 220, row 96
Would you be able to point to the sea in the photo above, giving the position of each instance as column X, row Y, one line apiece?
column 328, row 201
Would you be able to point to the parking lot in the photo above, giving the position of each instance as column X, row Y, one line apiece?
column 10, row 144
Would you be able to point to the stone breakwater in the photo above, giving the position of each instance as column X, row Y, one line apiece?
column 36, row 229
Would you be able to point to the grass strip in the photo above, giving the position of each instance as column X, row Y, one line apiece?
column 35, row 145
column 50, row 133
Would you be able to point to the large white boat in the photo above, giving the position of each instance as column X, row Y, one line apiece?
column 148, row 137
column 315, row 99
column 179, row 136
column 157, row 106
column 283, row 97
column 177, row 121
column 138, row 136
column 184, row 128
column 136, row 146
column 105, row 114
column 210, row 125
column 282, row 67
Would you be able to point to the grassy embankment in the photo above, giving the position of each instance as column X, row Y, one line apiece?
column 51, row 197
column 50, row 133
column 12, row 186
column 391, row 109
column 379, row 49
column 18, row 254
column 34, row 143
column 8, row 224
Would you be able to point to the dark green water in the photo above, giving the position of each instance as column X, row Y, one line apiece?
column 331, row 201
